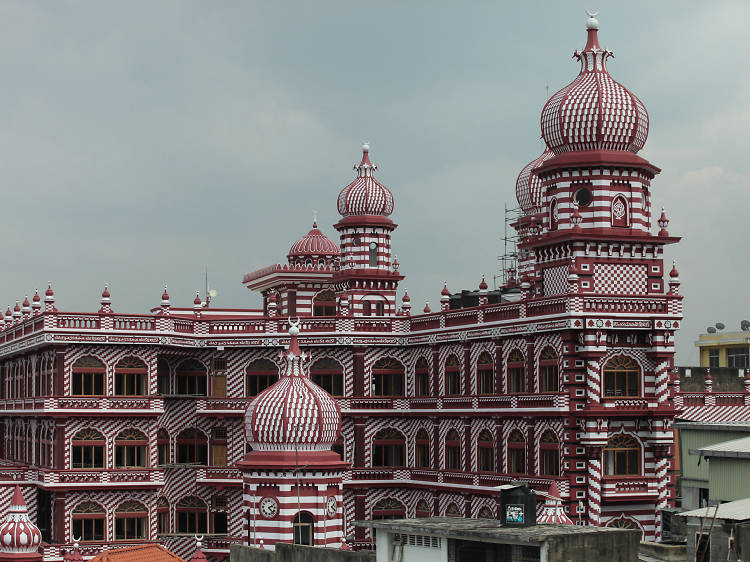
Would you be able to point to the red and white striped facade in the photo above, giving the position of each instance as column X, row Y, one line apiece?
column 432, row 418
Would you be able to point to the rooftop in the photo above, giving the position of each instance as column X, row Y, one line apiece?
column 736, row 448
column 487, row 530
column 739, row 426
column 736, row 511
column 140, row 553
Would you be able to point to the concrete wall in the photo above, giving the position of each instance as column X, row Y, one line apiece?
column 720, row 539
column 297, row 553
column 612, row 547
column 729, row 479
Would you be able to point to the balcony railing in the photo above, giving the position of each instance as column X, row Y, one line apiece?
column 105, row 477
column 548, row 400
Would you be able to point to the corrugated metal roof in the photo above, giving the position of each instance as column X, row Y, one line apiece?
column 734, row 448
column 736, row 511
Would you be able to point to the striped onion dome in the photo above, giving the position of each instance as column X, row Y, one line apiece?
column 19, row 537
column 365, row 195
column 552, row 512
column 314, row 243
column 594, row 112
column 294, row 412
column 529, row 186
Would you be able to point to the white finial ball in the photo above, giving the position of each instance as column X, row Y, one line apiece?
column 592, row 22
column 366, row 147
column 293, row 331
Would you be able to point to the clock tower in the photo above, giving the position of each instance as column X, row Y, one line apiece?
column 292, row 480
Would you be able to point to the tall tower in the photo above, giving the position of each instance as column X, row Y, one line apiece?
column 367, row 278
column 292, row 480
column 586, row 241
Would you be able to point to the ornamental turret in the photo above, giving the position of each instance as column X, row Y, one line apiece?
column 19, row 537
column 291, row 427
column 366, row 273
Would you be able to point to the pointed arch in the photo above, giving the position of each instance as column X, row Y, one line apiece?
column 421, row 377
column 388, row 508
column 452, row 376
column 88, row 376
column 549, row 370
column 620, row 212
column 485, row 451
column 328, row 374
column 422, row 449
column 260, row 374
column 516, row 452
column 388, row 377
column 191, row 378
column 516, row 371
column 453, row 450
column 388, row 448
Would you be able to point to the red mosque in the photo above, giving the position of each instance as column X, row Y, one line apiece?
column 335, row 403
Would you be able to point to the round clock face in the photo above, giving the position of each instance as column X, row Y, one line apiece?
column 269, row 507
column 331, row 506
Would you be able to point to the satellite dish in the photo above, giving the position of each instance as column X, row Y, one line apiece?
column 719, row 326
column 711, row 330
column 745, row 325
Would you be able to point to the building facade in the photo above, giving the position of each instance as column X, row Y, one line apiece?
column 122, row 428
column 727, row 349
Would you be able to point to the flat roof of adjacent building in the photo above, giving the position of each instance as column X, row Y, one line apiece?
column 742, row 426
column 736, row 511
column 736, row 448
column 483, row 530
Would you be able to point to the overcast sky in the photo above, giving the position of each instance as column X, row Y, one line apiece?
column 141, row 142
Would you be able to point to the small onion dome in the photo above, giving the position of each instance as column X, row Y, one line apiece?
column 594, row 112
column 36, row 298
column 294, row 412
column 427, row 308
column 529, row 186
column 197, row 302
column 105, row 292
column 674, row 274
column 483, row 284
column 26, row 304
column 49, row 292
column 406, row 297
column 198, row 555
column 165, row 296
column 19, row 537
column 365, row 195
column 314, row 243
column 445, row 292
column 552, row 512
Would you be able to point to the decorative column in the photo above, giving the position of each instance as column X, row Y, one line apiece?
column 594, row 484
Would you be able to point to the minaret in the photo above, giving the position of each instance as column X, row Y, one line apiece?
column 366, row 276
column 19, row 537
column 292, row 480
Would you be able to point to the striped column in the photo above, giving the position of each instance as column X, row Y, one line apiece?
column 662, row 381
column 662, row 501
column 594, row 488
column 593, row 380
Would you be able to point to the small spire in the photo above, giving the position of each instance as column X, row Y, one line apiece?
column 365, row 167
column 197, row 302
column 674, row 274
column 165, row 295
column 49, row 292
column 406, row 297
column 663, row 223
column 293, row 343
column 105, row 292
column 483, row 284
column 445, row 292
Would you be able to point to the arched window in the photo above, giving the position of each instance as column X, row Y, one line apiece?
column 88, row 449
column 619, row 212
column 366, row 308
column 162, row 377
column 622, row 377
column 329, row 375
column 422, row 449
column 485, row 451
column 131, row 449
column 452, row 450
column 549, row 454
column 388, row 448
column 88, row 377
column 548, row 371
column 192, row 447
column 162, row 516
column 131, row 377
column 516, row 372
column 388, row 508
column 192, row 516
column 421, row 377
column 622, row 456
column 373, row 254
column 162, row 445
column 485, row 374
column 423, row 509
column 304, row 529
column 516, row 452
column 554, row 215
column 219, row 515
column 452, row 376
column 131, row 519
column 387, row 378
column 219, row 446
column 88, row 521
column 191, row 378
column 261, row 374
column 324, row 304
column 485, row 513
column 453, row 511
column 625, row 523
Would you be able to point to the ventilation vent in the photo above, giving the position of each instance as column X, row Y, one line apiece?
column 424, row 541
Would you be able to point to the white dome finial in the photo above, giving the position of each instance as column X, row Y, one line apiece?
column 366, row 146
column 592, row 22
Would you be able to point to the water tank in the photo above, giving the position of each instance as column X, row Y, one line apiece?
column 518, row 506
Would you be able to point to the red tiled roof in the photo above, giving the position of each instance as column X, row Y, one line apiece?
column 140, row 553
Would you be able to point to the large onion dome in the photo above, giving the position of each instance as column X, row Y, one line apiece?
column 594, row 112
column 529, row 186
column 365, row 195
column 294, row 413
column 313, row 244
column 553, row 512
column 19, row 537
